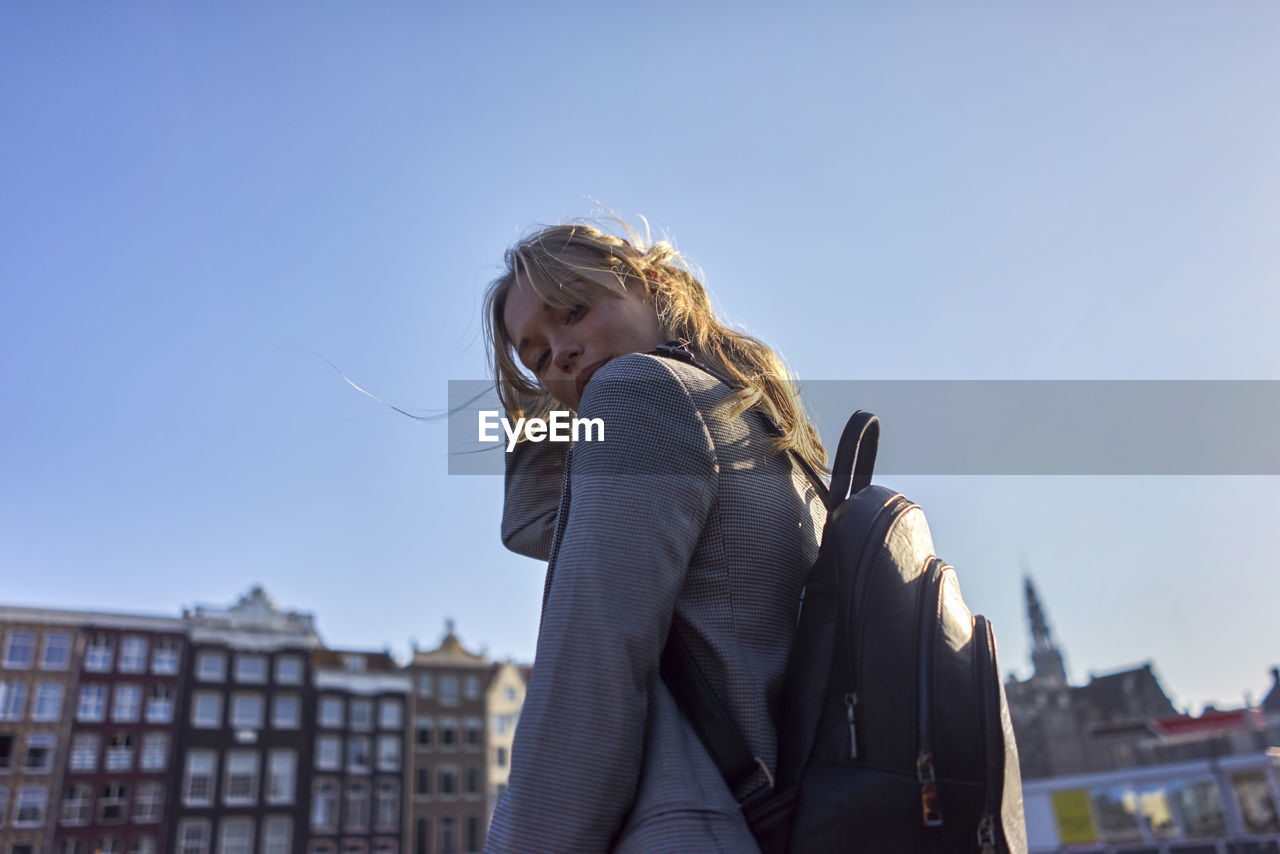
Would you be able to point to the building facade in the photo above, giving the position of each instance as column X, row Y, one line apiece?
column 503, row 701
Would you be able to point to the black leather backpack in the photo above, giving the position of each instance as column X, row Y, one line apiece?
column 893, row 732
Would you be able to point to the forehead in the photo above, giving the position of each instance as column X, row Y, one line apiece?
column 523, row 308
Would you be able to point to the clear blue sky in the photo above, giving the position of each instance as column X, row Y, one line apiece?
column 194, row 198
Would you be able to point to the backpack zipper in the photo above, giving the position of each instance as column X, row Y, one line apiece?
column 851, row 703
column 990, row 728
column 928, row 620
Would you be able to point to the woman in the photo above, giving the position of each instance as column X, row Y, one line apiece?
column 693, row 515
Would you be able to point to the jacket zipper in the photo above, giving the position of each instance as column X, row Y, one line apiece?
column 990, row 726
column 928, row 620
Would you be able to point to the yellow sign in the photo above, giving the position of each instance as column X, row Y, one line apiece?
column 1075, row 818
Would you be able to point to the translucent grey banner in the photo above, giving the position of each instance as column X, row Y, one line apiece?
column 1002, row 427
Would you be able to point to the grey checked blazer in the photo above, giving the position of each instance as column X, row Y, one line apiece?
column 680, row 519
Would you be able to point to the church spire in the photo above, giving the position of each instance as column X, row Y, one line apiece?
column 1046, row 658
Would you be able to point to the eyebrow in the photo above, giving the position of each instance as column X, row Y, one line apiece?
column 524, row 342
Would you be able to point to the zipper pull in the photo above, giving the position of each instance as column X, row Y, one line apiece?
column 851, row 700
column 929, row 805
column 800, row 610
column 987, row 834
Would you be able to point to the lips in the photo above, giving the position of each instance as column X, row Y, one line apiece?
column 584, row 377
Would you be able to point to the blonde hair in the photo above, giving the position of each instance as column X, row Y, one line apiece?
column 569, row 265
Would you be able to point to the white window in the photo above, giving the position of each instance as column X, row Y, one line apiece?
column 448, row 689
column 324, row 805
column 84, row 752
column 357, row 805
column 277, row 834
column 358, row 754
column 235, row 836
column 20, row 650
column 107, row 845
column 388, row 753
column 39, row 754
column 472, row 687
column 164, row 656
column 28, row 809
column 241, row 778
column 148, row 801
column 331, row 712
column 475, row 728
column 97, row 657
column 206, row 710
column 282, row 768
column 160, row 704
column 133, row 654
column 13, row 700
column 286, row 713
column 111, row 806
column 422, row 731
column 511, row 694
column 328, row 752
column 251, row 668
column 246, row 711
column 57, row 652
column 77, row 806
column 289, row 670
column 126, row 705
column 353, row 663
column 119, row 752
column 93, row 702
column 48, row 702
column 197, row 784
column 155, row 751
column 424, row 685
column 211, row 667
column 386, row 812
column 193, row 836
column 390, row 714
column 362, row 714
column 143, row 845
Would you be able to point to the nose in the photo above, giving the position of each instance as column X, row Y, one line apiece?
column 565, row 353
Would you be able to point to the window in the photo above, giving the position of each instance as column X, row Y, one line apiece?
column 246, row 711
column 448, row 836
column 388, row 753
column 133, row 654
column 386, row 811
column 77, row 805
column 111, row 806
column 473, row 780
column 4, row 804
column 6, row 758
column 251, row 668
column 385, row 846
column 362, row 714
column 449, row 689
column 285, row 711
column 448, row 731
column 1201, row 806
column 127, row 703
column 422, row 732
column 422, row 837
column 48, row 702
column 289, row 670
column 107, row 845
column 206, row 710
column 281, row 776
column 390, row 714
column 357, row 806
column 328, row 752
column 358, row 759
column 1257, row 810
column 235, row 836
column 93, row 702
column 241, row 778
column 74, row 845
column 143, row 845
column 155, row 751
column 13, row 700
column 472, row 687
column 510, row 694
column 148, row 802
column 84, row 752
column 193, row 836
column 39, row 754
column 20, row 650
column 28, row 809
column 353, row 663
column 211, row 667
column 331, row 712
column 119, row 752
column 473, row 834
column 424, row 686
column 422, row 782
column 57, row 652
column 448, row 781
column 97, row 657
column 474, row 728
column 197, row 784
column 502, row 757
column 277, row 834
column 164, row 656
column 324, row 806
column 160, row 704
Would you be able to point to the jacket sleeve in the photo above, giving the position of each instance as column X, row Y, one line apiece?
column 638, row 501
column 534, row 477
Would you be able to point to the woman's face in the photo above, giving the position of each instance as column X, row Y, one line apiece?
column 563, row 348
